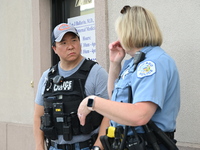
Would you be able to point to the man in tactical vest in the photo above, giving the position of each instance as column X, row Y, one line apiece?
column 60, row 91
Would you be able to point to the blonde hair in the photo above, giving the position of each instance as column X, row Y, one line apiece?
column 136, row 27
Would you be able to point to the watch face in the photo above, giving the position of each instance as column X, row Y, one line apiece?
column 90, row 102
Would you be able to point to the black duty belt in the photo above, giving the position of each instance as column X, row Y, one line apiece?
column 82, row 145
column 169, row 134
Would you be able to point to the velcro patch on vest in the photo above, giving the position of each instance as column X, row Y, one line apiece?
column 64, row 86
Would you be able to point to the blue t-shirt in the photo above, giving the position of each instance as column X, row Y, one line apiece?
column 96, row 84
column 156, row 80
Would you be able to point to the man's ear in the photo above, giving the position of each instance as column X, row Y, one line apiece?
column 54, row 48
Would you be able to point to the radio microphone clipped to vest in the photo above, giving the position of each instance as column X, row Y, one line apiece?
column 58, row 79
column 139, row 56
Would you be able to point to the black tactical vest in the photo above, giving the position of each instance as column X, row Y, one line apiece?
column 62, row 97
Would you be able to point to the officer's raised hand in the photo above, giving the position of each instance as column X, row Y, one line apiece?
column 117, row 53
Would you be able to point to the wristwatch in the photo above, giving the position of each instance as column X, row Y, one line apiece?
column 90, row 103
column 96, row 148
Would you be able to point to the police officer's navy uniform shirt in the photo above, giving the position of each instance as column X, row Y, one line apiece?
column 155, row 80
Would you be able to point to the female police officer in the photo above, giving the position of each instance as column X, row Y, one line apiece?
column 154, row 81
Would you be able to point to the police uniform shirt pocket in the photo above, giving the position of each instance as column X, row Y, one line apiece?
column 121, row 87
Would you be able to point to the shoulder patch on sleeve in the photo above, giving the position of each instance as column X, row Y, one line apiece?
column 146, row 68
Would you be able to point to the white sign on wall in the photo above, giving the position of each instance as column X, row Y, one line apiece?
column 86, row 29
column 82, row 2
